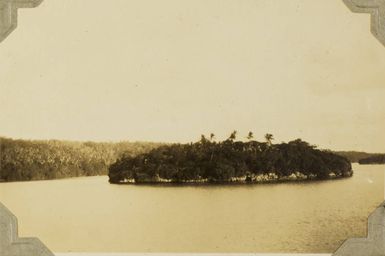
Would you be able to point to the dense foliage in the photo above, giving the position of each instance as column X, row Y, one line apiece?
column 230, row 160
column 377, row 159
column 22, row 160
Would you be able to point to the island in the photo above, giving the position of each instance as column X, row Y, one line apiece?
column 377, row 159
column 230, row 161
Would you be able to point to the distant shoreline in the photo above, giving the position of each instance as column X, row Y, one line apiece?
column 376, row 159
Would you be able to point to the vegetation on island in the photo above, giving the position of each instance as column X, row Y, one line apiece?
column 24, row 160
column 230, row 161
column 376, row 159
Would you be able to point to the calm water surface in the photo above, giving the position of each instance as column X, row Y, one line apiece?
column 90, row 215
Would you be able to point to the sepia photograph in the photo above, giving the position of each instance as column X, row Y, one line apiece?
column 192, row 126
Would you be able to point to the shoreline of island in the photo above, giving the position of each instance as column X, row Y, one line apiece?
column 270, row 178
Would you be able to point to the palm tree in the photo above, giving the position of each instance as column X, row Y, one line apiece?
column 233, row 135
column 212, row 136
column 269, row 138
column 250, row 136
column 203, row 139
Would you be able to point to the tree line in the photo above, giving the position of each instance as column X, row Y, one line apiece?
column 210, row 161
column 24, row 160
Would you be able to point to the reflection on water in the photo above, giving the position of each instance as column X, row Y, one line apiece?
column 90, row 215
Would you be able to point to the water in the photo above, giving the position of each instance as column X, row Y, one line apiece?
column 90, row 215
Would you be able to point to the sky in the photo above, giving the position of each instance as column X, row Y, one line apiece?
column 171, row 70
